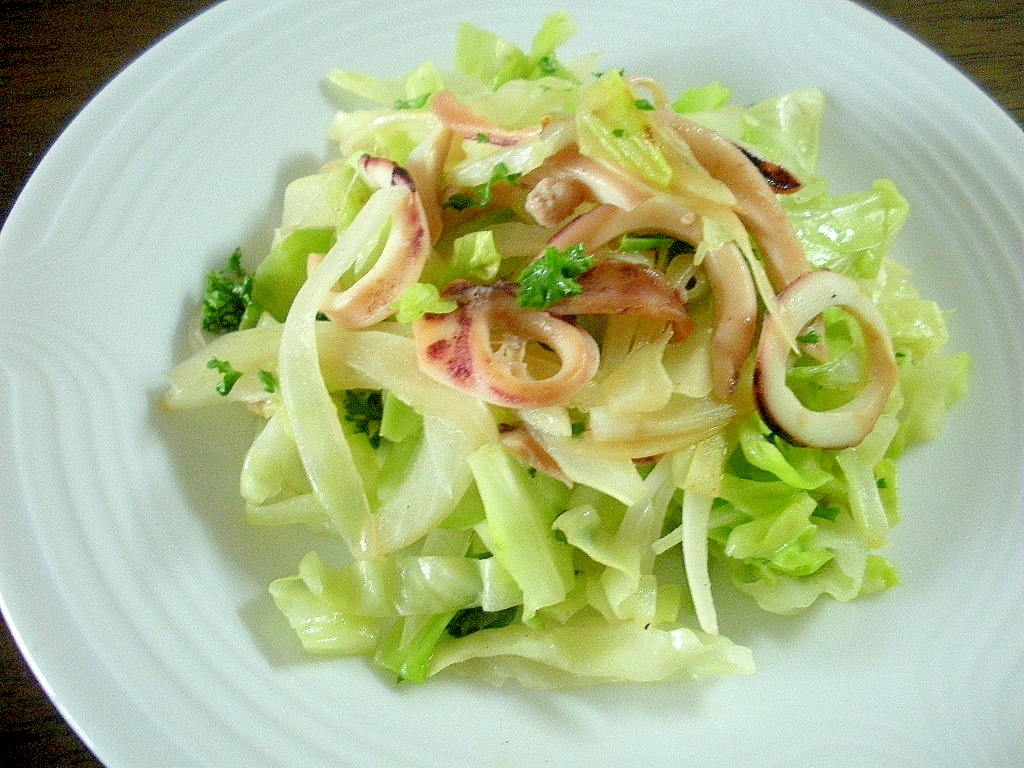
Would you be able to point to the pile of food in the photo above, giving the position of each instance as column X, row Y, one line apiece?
column 548, row 349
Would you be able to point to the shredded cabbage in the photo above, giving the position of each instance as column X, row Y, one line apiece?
column 572, row 542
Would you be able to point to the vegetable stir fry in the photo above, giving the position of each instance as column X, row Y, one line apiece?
column 551, row 351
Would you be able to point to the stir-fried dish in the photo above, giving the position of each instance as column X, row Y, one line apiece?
column 557, row 355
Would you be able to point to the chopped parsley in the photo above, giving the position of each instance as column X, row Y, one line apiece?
column 364, row 409
column 826, row 511
column 548, row 65
column 552, row 277
column 470, row 620
column 481, row 195
column 269, row 381
column 227, row 299
column 229, row 376
column 417, row 102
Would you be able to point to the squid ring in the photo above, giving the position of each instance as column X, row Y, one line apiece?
column 456, row 348
column 843, row 427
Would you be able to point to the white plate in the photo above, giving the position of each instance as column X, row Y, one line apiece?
column 137, row 592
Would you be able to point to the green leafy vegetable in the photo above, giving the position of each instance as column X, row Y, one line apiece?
column 481, row 195
column 495, row 61
column 228, row 303
column 229, row 376
column 702, row 98
column 471, row 620
column 280, row 275
column 612, row 127
column 421, row 299
column 364, row 410
column 552, row 277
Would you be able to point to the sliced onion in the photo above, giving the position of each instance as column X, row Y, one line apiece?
column 803, row 301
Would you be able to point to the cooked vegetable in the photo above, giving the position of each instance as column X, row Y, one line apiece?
column 228, row 303
column 549, row 353
column 552, row 277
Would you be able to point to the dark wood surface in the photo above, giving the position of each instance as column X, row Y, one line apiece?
column 55, row 54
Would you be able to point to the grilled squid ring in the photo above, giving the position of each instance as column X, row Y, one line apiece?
column 456, row 348
column 371, row 298
column 799, row 304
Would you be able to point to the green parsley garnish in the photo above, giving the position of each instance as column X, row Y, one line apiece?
column 548, row 65
column 552, row 277
column 826, row 512
column 269, row 381
column 227, row 299
column 417, row 102
column 364, row 409
column 229, row 376
column 470, row 620
column 481, row 195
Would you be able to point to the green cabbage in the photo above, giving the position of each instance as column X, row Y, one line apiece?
column 463, row 558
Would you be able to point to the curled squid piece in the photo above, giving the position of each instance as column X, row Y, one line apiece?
column 426, row 164
column 569, row 178
column 728, row 274
column 614, row 287
column 803, row 301
column 735, row 316
column 468, row 124
column 756, row 203
column 604, row 223
column 370, row 299
column 458, row 348
column 524, row 445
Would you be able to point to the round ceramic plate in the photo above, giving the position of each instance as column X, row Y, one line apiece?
column 138, row 593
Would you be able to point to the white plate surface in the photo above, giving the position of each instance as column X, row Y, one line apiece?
column 139, row 595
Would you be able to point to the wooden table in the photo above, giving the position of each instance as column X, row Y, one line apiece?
column 55, row 54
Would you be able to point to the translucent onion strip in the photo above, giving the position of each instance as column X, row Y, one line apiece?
column 319, row 438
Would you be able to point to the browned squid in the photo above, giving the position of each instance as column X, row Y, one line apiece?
column 727, row 272
column 371, row 298
column 425, row 164
column 569, row 178
column 466, row 123
column 615, row 287
column 458, row 348
column 757, row 205
column 802, row 301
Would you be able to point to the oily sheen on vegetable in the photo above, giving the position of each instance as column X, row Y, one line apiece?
column 551, row 353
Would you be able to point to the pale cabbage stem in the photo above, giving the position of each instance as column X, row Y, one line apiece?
column 325, row 453
column 698, row 472
column 695, row 514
